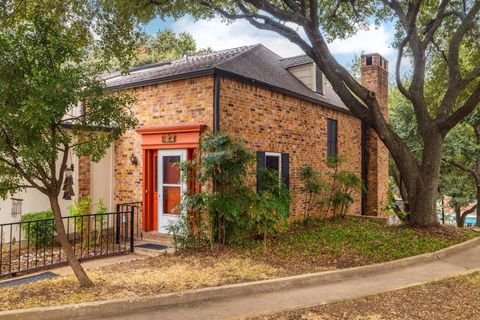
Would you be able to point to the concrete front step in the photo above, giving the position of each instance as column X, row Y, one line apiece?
column 152, row 248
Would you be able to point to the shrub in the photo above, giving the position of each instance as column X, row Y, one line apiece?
column 41, row 232
column 314, row 187
column 222, row 205
column 227, row 209
column 337, row 194
column 346, row 184
column 77, row 210
column 270, row 211
column 82, row 207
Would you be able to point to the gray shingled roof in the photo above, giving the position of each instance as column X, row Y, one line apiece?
column 295, row 61
column 252, row 62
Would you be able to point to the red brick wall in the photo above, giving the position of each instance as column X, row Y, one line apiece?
column 181, row 101
column 84, row 177
column 274, row 122
column 375, row 78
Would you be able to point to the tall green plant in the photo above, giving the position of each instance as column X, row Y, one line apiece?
column 269, row 213
column 338, row 193
column 346, row 184
column 315, row 189
column 83, row 222
column 221, row 170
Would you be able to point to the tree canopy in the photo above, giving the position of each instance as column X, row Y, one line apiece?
column 53, row 104
column 440, row 39
column 165, row 46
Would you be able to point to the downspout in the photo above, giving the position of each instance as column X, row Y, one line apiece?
column 364, row 167
column 216, row 102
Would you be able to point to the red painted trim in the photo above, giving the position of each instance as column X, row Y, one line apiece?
column 187, row 136
column 172, row 128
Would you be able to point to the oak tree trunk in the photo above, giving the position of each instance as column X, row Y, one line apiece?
column 459, row 217
column 422, row 187
column 478, row 205
column 66, row 246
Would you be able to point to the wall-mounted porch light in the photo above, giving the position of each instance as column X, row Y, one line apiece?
column 133, row 160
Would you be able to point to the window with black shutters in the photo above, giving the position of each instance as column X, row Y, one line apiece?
column 319, row 81
column 332, row 138
column 274, row 161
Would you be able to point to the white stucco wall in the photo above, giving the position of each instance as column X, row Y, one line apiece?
column 34, row 200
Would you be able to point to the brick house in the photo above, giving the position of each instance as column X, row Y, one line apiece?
column 282, row 108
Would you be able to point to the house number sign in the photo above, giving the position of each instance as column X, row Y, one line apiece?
column 169, row 138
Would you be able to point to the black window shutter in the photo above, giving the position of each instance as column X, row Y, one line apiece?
column 260, row 168
column 332, row 137
column 286, row 169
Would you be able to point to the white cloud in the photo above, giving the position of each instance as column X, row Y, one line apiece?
column 219, row 35
column 376, row 39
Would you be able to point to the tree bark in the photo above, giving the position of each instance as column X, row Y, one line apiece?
column 459, row 218
column 423, row 190
column 478, row 205
column 66, row 246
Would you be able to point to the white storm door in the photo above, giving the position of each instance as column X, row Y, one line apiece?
column 171, row 187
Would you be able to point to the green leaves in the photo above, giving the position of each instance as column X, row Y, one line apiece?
column 165, row 46
column 227, row 205
column 52, row 103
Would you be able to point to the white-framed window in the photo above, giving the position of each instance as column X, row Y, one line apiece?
column 273, row 161
column 16, row 207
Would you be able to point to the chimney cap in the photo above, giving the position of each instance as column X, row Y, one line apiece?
column 374, row 60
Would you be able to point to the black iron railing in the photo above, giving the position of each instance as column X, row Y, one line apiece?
column 137, row 216
column 31, row 245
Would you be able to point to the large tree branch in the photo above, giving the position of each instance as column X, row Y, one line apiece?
column 461, row 167
column 469, row 211
column 432, row 27
column 455, row 82
column 268, row 24
column 415, row 92
column 16, row 166
column 276, row 11
column 398, row 64
column 446, row 124
column 454, row 75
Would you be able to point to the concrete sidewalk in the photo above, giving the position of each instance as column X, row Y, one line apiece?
column 461, row 263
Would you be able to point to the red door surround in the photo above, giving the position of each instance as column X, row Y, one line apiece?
column 175, row 136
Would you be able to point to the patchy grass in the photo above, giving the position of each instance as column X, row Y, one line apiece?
column 315, row 247
column 137, row 278
column 344, row 243
column 455, row 298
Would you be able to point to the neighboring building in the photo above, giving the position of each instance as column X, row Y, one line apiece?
column 282, row 108
column 100, row 174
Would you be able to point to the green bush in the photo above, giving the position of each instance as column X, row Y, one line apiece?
column 227, row 210
column 81, row 208
column 337, row 194
column 40, row 233
column 315, row 189
column 269, row 213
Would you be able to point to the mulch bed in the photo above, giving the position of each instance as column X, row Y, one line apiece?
column 13, row 262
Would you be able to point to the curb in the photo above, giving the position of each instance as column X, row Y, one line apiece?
column 99, row 309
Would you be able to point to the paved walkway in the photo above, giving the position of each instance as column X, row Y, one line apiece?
column 231, row 308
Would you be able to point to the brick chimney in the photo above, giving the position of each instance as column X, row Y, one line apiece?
column 374, row 76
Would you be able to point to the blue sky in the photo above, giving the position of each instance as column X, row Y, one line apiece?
column 218, row 35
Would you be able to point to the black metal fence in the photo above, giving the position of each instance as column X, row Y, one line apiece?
column 137, row 216
column 31, row 245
